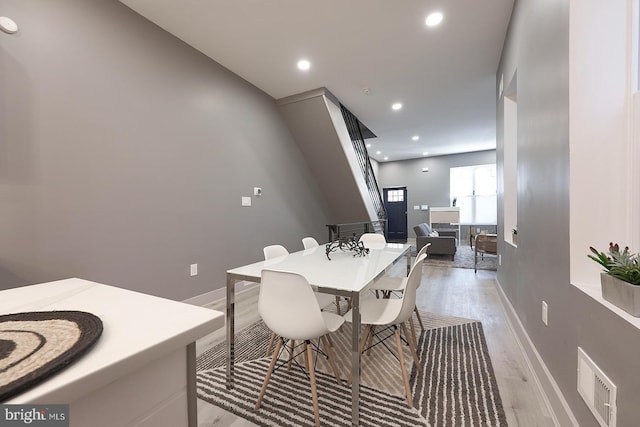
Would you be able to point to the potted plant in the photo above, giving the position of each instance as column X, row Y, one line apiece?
column 621, row 279
column 514, row 235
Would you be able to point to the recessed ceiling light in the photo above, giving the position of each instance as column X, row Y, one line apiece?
column 378, row 152
column 396, row 106
column 368, row 145
column 386, row 158
column 415, row 137
column 426, row 153
column 304, row 65
column 434, row 19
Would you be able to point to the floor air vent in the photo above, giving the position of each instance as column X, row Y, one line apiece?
column 597, row 390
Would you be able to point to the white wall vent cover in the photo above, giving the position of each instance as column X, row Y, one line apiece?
column 597, row 390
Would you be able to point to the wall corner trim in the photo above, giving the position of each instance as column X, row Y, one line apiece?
column 314, row 93
column 557, row 406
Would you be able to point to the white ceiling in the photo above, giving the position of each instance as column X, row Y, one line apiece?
column 444, row 76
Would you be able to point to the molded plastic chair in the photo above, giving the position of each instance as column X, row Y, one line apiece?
column 388, row 285
column 288, row 307
column 396, row 284
column 310, row 242
column 393, row 313
column 373, row 240
column 275, row 251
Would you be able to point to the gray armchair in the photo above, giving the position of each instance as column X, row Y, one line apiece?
column 445, row 244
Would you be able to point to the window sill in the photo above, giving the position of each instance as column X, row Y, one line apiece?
column 509, row 242
column 595, row 292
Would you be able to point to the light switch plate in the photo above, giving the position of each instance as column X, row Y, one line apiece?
column 193, row 270
column 246, row 201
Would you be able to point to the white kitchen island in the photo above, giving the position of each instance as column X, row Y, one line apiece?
column 140, row 372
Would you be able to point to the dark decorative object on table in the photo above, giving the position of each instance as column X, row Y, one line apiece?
column 346, row 244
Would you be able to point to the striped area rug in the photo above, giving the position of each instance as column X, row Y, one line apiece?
column 454, row 387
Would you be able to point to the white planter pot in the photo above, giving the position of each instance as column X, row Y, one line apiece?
column 622, row 294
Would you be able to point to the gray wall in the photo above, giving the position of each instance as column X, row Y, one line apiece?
column 124, row 154
column 427, row 188
column 538, row 269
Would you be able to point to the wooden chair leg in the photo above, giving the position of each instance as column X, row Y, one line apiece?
column 412, row 346
column 370, row 339
column 273, row 337
column 329, row 340
column 312, row 377
column 292, row 344
column 413, row 331
column 269, row 372
column 332, row 358
column 338, row 305
column 415, row 309
column 306, row 361
column 405, row 376
column 363, row 337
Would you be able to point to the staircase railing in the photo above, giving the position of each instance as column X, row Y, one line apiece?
column 356, row 229
column 355, row 133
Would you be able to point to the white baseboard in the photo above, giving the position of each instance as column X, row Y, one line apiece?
column 208, row 298
column 553, row 398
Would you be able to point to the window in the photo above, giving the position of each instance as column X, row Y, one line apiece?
column 473, row 189
column 395, row 196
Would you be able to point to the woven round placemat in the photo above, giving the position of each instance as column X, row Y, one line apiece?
column 35, row 345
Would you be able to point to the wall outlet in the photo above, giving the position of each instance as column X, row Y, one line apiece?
column 545, row 313
column 193, row 270
column 257, row 191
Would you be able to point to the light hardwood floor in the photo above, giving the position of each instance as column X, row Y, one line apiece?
column 452, row 291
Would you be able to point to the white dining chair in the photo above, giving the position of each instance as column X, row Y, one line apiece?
column 390, row 285
column 392, row 314
column 288, row 307
column 373, row 240
column 275, row 251
column 310, row 243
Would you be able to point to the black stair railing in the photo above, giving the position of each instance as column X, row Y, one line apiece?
column 355, row 133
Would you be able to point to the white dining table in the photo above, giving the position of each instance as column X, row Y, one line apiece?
column 344, row 275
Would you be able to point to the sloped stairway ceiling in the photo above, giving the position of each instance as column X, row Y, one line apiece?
column 315, row 121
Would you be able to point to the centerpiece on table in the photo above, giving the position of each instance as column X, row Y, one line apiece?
column 621, row 279
column 346, row 244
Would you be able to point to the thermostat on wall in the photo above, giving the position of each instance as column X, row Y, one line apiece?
column 8, row 25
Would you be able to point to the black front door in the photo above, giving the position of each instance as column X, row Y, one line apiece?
column 395, row 201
